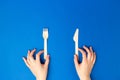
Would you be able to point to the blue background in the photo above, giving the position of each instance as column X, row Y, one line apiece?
column 21, row 24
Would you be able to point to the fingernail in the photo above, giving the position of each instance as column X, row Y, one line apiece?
column 74, row 56
column 48, row 55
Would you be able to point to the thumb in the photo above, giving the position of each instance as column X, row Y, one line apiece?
column 76, row 61
column 47, row 60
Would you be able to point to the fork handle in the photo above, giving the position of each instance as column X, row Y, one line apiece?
column 45, row 48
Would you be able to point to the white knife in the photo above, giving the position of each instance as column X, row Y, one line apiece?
column 75, row 38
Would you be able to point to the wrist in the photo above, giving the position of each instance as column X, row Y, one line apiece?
column 85, row 78
column 40, row 78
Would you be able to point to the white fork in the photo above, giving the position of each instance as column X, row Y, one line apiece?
column 45, row 37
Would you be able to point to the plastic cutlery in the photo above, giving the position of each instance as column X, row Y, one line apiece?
column 75, row 38
column 45, row 37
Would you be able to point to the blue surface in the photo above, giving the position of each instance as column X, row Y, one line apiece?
column 21, row 24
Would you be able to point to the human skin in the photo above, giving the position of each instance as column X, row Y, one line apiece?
column 38, row 69
column 85, row 67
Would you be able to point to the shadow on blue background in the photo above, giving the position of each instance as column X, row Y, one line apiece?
column 21, row 24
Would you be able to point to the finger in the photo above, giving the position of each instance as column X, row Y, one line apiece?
column 76, row 61
column 88, row 51
column 25, row 61
column 94, row 58
column 92, row 54
column 83, row 54
column 91, row 50
column 38, row 55
column 31, row 60
column 47, row 60
column 28, row 60
column 32, row 52
column 28, row 54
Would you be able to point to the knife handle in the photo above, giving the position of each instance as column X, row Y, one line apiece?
column 76, row 48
